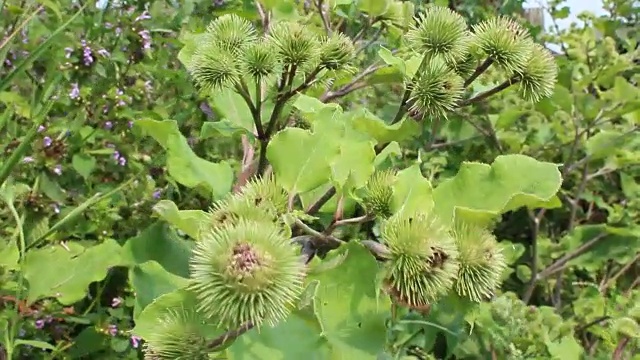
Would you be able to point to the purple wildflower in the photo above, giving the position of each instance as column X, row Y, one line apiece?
column 104, row 53
column 122, row 161
column 146, row 39
column 116, row 301
column 112, row 330
column 39, row 324
column 87, row 55
column 108, row 125
column 41, row 128
column 157, row 193
column 144, row 16
column 75, row 91
column 135, row 341
column 47, row 141
column 57, row 169
column 28, row 159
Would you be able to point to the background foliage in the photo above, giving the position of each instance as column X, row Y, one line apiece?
column 94, row 174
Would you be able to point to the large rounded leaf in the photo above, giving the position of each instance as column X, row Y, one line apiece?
column 480, row 192
column 65, row 272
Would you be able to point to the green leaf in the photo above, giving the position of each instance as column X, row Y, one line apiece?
column 338, row 317
column 609, row 143
column 83, row 164
column 301, row 160
column 183, row 165
column 365, row 121
column 54, row 271
column 188, row 221
column 180, row 300
column 19, row 104
column 393, row 148
column 618, row 244
column 190, row 42
column 232, row 107
column 354, row 164
column 224, row 127
column 349, row 307
column 310, row 104
column 149, row 281
column 392, row 60
column 412, row 192
column 481, row 192
column 269, row 343
column 160, row 243
column 374, row 7
column 565, row 349
column 51, row 189
column 53, row 6
column 9, row 255
column 35, row 343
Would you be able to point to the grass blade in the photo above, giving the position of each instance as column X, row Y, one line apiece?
column 4, row 83
column 19, row 152
column 79, row 210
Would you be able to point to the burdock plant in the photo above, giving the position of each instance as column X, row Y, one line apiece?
column 246, row 270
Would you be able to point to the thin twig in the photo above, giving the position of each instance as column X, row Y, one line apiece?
column 318, row 235
column 264, row 17
column 354, row 84
column 325, row 17
column 229, row 336
column 619, row 351
column 479, row 70
column 488, row 93
column 373, row 39
column 317, row 205
column 621, row 272
column 535, row 230
column 561, row 263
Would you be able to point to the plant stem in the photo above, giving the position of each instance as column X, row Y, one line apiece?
column 488, row 93
column 229, row 336
column 535, row 229
column 324, row 16
column 620, row 272
column 325, row 238
column 560, row 263
column 479, row 70
column 277, row 110
column 242, row 89
column 317, row 205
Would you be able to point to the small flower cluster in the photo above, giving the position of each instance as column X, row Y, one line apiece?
column 117, row 156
